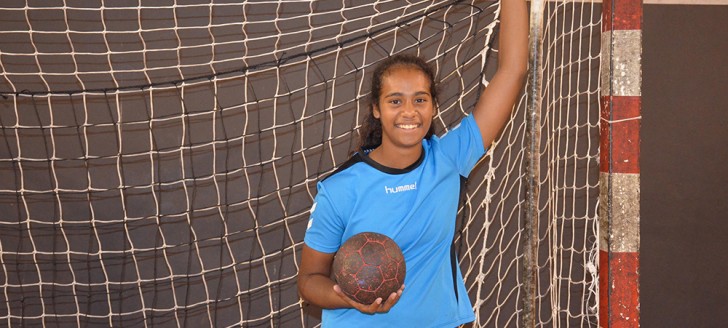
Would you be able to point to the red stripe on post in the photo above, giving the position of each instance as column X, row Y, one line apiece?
column 603, row 288
column 624, row 292
column 619, row 283
column 624, row 125
column 627, row 15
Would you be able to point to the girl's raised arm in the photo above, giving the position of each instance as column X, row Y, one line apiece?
column 496, row 103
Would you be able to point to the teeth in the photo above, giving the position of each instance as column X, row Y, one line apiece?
column 407, row 126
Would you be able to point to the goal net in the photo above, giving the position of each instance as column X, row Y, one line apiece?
column 158, row 159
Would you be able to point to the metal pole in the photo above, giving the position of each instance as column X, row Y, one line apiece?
column 533, row 150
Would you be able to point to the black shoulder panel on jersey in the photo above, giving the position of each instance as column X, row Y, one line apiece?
column 356, row 158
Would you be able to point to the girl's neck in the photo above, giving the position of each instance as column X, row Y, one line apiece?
column 397, row 158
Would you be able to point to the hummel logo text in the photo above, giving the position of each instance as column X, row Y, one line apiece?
column 394, row 190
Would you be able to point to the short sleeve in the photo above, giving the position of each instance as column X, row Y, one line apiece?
column 463, row 144
column 325, row 225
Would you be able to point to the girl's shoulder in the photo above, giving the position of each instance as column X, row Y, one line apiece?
column 346, row 171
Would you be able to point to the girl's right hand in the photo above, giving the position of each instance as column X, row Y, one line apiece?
column 377, row 307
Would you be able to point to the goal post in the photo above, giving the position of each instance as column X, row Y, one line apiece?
column 619, row 210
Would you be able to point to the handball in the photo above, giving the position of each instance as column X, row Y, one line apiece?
column 369, row 265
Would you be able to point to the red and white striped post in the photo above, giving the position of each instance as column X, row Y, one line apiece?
column 619, row 209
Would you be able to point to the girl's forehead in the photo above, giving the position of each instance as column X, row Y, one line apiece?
column 405, row 75
column 402, row 68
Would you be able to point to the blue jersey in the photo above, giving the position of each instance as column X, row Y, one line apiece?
column 416, row 207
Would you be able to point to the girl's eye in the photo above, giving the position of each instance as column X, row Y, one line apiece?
column 421, row 100
column 395, row 102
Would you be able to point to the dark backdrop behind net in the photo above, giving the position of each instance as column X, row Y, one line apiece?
column 158, row 162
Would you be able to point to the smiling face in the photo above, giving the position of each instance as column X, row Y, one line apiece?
column 405, row 108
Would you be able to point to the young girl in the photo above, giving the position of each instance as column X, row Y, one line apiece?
column 399, row 150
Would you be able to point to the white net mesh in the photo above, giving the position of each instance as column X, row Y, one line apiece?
column 158, row 159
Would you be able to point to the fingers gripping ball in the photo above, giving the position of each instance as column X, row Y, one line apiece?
column 369, row 265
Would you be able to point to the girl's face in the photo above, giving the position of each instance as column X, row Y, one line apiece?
column 405, row 107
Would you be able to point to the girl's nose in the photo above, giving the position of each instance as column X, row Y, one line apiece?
column 409, row 108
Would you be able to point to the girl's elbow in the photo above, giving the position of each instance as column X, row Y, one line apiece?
column 515, row 71
column 520, row 70
column 300, row 285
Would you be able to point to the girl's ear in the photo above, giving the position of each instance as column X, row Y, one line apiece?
column 375, row 111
